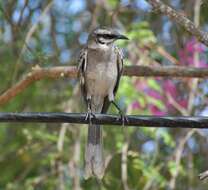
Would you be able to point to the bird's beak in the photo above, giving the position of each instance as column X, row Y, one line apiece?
column 121, row 37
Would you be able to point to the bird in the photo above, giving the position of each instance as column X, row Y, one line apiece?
column 100, row 66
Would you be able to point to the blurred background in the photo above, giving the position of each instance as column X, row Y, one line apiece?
column 51, row 156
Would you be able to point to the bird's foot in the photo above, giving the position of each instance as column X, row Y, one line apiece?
column 89, row 116
column 123, row 118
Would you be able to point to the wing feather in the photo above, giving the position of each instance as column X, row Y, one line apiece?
column 82, row 65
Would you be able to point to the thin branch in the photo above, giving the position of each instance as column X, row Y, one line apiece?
column 161, row 50
column 180, row 19
column 179, row 152
column 124, row 172
column 28, row 37
column 39, row 73
column 165, row 71
column 60, row 142
column 73, row 165
column 176, row 105
column 194, row 82
column 107, row 119
column 22, row 11
column 34, row 27
column 167, row 55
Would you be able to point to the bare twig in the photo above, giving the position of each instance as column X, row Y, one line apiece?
column 179, row 152
column 39, row 73
column 74, row 164
column 165, row 71
column 176, row 105
column 163, row 52
column 22, row 11
column 167, row 55
column 194, row 82
column 189, row 109
column 181, row 20
column 124, row 173
column 60, row 165
column 34, row 27
column 28, row 37
column 60, row 142
column 95, row 13
column 197, row 11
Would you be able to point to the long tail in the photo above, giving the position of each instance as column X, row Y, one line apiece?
column 94, row 162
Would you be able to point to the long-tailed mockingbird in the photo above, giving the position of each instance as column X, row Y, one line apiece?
column 100, row 68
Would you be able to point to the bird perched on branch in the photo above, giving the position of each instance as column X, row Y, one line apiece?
column 99, row 69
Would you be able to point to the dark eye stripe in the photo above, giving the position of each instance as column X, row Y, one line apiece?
column 106, row 36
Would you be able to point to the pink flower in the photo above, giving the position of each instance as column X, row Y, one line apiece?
column 183, row 103
column 155, row 94
column 136, row 105
column 190, row 46
column 140, row 85
column 203, row 64
column 186, row 55
column 170, row 87
column 156, row 111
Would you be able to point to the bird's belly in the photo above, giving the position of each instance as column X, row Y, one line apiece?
column 101, row 79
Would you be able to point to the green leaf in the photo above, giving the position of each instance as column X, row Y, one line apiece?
column 152, row 83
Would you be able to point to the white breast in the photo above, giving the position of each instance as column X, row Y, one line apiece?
column 101, row 78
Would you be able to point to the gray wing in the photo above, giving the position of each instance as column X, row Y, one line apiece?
column 82, row 65
column 119, row 63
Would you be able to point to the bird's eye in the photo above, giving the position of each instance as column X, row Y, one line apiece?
column 106, row 36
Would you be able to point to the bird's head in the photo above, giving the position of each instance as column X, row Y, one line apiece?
column 104, row 37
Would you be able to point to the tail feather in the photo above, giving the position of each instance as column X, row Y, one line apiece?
column 94, row 163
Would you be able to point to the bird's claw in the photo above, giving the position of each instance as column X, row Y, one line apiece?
column 123, row 118
column 89, row 116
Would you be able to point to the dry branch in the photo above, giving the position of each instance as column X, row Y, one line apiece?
column 39, row 73
column 180, row 19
